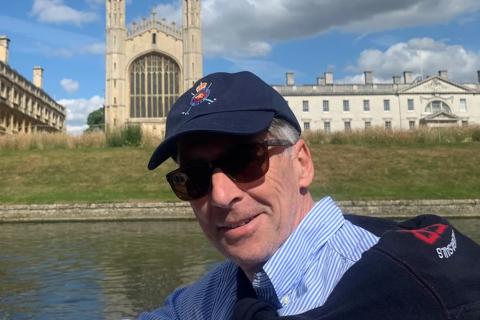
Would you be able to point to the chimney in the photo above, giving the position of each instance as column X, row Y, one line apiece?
column 368, row 77
column 478, row 76
column 396, row 79
column 4, row 49
column 290, row 78
column 328, row 77
column 407, row 77
column 321, row 81
column 38, row 76
column 443, row 74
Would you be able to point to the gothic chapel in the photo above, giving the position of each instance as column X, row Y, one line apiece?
column 148, row 65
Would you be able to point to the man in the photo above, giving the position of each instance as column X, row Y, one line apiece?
column 246, row 172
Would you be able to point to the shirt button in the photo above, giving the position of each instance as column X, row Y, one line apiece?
column 285, row 300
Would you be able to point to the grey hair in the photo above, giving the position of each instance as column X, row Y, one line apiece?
column 281, row 129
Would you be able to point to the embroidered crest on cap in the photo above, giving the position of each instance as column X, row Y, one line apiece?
column 202, row 92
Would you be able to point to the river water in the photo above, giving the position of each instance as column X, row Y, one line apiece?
column 107, row 270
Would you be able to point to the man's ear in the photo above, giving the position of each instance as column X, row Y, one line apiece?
column 304, row 163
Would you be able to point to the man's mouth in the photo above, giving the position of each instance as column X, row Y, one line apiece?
column 238, row 224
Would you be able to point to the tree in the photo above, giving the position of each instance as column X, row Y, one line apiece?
column 96, row 120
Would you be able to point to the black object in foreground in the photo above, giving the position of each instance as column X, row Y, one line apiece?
column 421, row 268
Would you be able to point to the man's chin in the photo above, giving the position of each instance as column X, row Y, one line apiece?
column 247, row 258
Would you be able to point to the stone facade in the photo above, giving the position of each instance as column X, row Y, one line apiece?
column 149, row 64
column 404, row 104
column 24, row 106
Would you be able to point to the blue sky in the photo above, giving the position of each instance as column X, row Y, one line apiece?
column 308, row 37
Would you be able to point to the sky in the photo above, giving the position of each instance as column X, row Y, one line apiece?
column 308, row 37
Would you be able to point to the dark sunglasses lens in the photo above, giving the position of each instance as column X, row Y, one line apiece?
column 246, row 163
column 190, row 183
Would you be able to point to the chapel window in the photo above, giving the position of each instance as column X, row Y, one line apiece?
column 154, row 86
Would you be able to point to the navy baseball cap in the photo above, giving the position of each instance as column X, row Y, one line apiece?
column 230, row 103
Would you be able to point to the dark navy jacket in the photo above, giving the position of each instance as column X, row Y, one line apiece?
column 421, row 268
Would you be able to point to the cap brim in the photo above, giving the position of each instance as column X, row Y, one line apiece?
column 242, row 122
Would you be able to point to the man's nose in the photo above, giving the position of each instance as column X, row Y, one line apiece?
column 224, row 191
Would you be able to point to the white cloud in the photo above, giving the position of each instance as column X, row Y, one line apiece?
column 78, row 110
column 69, row 85
column 421, row 55
column 248, row 28
column 413, row 13
column 76, row 130
column 55, row 11
column 359, row 78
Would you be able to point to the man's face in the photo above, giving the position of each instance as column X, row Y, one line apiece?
column 248, row 222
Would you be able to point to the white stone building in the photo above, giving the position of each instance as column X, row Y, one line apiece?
column 401, row 105
column 24, row 106
column 149, row 64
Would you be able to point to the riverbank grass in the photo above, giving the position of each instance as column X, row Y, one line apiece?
column 345, row 171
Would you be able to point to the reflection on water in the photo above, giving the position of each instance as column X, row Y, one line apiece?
column 96, row 270
column 110, row 270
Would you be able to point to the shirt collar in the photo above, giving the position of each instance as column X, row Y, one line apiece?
column 290, row 261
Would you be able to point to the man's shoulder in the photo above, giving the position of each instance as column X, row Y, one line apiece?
column 220, row 275
column 210, row 297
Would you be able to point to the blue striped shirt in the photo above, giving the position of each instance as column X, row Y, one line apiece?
column 298, row 277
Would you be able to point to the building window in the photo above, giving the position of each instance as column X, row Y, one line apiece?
column 326, row 127
column 463, row 105
column 154, row 86
column 437, row 106
column 411, row 105
column 388, row 125
column 348, row 126
column 306, row 125
column 464, row 123
column 114, row 83
column 346, row 106
column 366, row 105
column 305, row 105
column 368, row 124
column 154, row 38
column 115, row 100
column 386, row 105
column 411, row 124
column 326, row 106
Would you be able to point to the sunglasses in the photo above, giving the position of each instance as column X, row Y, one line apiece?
column 242, row 163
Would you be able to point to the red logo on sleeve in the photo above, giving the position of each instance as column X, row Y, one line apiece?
column 429, row 234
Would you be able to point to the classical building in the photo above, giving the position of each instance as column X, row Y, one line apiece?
column 403, row 104
column 148, row 65
column 24, row 106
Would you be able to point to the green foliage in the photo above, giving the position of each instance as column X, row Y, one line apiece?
column 476, row 134
column 379, row 136
column 345, row 171
column 96, row 120
column 132, row 136
column 128, row 136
